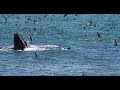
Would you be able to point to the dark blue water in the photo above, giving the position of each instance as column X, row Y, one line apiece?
column 52, row 34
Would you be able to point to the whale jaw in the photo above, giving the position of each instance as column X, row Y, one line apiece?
column 19, row 42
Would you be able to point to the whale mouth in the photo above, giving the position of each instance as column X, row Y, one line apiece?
column 19, row 42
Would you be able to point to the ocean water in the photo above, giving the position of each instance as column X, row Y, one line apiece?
column 52, row 34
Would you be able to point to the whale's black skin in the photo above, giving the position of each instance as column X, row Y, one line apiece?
column 19, row 42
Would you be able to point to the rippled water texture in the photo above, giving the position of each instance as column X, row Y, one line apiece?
column 66, row 45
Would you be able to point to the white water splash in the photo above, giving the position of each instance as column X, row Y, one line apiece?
column 33, row 48
column 41, row 47
column 65, row 49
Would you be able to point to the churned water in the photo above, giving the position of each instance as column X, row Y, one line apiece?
column 66, row 45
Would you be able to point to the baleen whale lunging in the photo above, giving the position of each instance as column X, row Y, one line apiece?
column 19, row 42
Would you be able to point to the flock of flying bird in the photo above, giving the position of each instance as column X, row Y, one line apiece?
column 85, row 26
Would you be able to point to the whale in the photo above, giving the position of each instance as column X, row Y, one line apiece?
column 19, row 42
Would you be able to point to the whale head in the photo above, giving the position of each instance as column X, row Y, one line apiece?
column 19, row 42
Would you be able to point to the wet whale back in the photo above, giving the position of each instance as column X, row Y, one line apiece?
column 19, row 42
